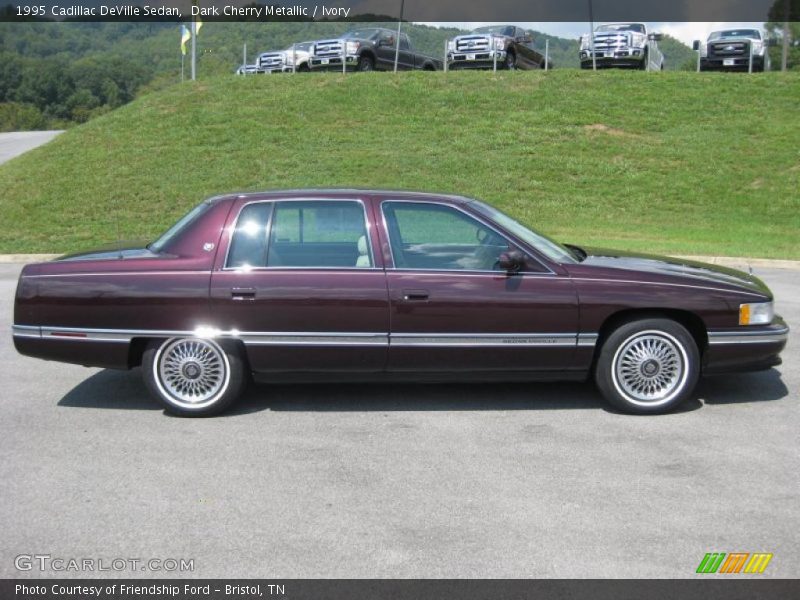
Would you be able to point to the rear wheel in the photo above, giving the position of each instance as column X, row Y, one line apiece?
column 648, row 366
column 193, row 377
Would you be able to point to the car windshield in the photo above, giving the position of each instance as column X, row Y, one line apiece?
column 498, row 29
column 361, row 34
column 178, row 228
column 735, row 33
column 637, row 27
column 303, row 46
column 551, row 249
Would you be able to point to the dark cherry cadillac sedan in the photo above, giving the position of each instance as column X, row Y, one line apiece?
column 315, row 285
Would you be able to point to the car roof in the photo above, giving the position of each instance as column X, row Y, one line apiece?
column 341, row 194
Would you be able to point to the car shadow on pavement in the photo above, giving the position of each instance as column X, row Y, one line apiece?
column 109, row 389
column 742, row 387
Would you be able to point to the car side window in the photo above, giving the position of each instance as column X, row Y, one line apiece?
column 249, row 241
column 439, row 237
column 319, row 233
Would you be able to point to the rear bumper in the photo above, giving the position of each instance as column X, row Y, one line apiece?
column 745, row 349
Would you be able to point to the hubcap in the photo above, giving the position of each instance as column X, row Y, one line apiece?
column 650, row 368
column 192, row 372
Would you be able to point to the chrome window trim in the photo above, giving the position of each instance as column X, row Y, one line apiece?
column 274, row 202
column 480, row 220
column 114, row 273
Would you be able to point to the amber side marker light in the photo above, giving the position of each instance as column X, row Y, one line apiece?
column 757, row 313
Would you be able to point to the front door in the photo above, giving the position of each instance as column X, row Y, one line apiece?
column 454, row 309
column 300, row 287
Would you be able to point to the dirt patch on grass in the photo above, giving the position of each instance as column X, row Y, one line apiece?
column 600, row 128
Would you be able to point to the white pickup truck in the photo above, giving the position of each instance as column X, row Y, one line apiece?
column 628, row 45
column 733, row 49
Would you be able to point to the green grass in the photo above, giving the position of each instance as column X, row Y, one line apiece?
column 668, row 162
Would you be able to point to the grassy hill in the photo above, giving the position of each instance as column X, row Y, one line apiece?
column 673, row 162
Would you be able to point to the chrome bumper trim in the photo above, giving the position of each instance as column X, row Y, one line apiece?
column 718, row 338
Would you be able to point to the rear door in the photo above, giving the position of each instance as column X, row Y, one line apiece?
column 453, row 309
column 300, row 286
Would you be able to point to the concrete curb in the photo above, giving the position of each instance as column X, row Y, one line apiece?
column 724, row 261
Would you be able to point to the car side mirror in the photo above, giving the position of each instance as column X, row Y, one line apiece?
column 511, row 261
column 656, row 37
column 387, row 41
column 771, row 41
column 696, row 45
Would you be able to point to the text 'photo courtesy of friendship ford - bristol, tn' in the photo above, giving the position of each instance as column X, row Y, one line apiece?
column 361, row 285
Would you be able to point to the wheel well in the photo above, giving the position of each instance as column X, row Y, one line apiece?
column 429, row 66
column 368, row 54
column 693, row 323
column 139, row 345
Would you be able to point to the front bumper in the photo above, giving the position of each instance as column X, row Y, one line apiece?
column 745, row 348
column 740, row 63
column 619, row 57
column 475, row 60
column 331, row 63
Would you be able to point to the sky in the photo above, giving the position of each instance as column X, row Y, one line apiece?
column 685, row 32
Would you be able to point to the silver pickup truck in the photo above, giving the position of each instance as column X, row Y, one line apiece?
column 628, row 45
column 283, row 61
column 730, row 49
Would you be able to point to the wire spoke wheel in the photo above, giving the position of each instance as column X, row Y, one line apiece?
column 650, row 368
column 192, row 372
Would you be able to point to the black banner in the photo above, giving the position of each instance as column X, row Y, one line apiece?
column 413, row 10
column 713, row 588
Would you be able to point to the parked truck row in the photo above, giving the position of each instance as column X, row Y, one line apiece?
column 611, row 45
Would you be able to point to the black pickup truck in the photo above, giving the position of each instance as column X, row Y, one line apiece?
column 369, row 49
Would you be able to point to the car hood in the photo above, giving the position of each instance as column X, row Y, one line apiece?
column 667, row 265
column 116, row 251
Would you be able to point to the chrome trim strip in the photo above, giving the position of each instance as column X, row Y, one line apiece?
column 482, row 339
column 294, row 338
column 26, row 331
column 683, row 285
column 720, row 338
column 313, row 339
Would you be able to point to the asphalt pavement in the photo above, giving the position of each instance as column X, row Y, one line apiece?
column 500, row 480
column 19, row 142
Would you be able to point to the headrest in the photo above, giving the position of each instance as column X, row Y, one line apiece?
column 362, row 245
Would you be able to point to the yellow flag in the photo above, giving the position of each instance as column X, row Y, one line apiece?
column 186, row 35
column 197, row 26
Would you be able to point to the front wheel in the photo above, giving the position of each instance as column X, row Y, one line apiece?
column 648, row 366
column 511, row 61
column 193, row 377
column 365, row 63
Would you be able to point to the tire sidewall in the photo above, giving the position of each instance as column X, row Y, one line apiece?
column 605, row 369
column 235, row 380
column 366, row 64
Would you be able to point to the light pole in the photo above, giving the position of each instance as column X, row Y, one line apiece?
column 397, row 41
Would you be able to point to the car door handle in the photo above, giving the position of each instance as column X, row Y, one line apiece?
column 243, row 293
column 415, row 295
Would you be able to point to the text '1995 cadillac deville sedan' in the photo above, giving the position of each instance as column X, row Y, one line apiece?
column 330, row 285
